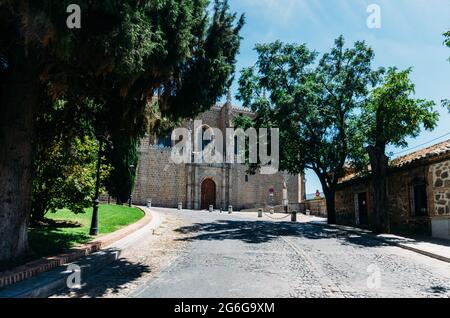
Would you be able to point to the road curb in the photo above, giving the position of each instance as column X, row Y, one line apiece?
column 383, row 240
column 50, row 282
column 37, row 267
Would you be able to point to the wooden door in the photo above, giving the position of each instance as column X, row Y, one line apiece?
column 208, row 194
column 420, row 200
column 363, row 213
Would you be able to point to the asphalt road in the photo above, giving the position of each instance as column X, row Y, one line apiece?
column 241, row 256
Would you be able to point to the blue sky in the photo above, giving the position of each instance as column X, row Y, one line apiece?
column 410, row 36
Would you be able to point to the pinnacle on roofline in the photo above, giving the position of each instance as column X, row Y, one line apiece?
column 229, row 98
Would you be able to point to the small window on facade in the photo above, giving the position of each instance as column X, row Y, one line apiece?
column 164, row 141
column 419, row 202
column 206, row 142
column 246, row 178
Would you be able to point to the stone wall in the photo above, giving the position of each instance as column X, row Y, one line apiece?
column 212, row 118
column 158, row 178
column 166, row 183
column 400, row 201
column 200, row 172
column 317, row 207
column 249, row 191
column 345, row 202
column 441, row 188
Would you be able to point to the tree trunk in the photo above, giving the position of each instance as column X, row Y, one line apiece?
column 379, row 165
column 331, row 204
column 18, row 99
column 38, row 210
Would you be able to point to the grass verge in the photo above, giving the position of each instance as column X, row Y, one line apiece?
column 64, row 229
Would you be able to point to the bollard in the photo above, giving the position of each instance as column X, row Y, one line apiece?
column 230, row 209
column 272, row 211
column 180, row 206
column 211, row 208
column 260, row 213
column 308, row 212
column 294, row 216
column 149, row 203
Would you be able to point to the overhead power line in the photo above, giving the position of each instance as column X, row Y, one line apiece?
column 421, row 145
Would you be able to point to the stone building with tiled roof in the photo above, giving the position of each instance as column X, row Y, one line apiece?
column 418, row 190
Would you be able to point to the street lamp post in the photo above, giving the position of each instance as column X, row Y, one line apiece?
column 286, row 177
column 94, row 222
column 130, row 200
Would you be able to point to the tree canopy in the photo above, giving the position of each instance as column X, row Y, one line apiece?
column 64, row 159
column 312, row 102
column 64, row 176
column 390, row 116
column 124, row 54
column 123, row 156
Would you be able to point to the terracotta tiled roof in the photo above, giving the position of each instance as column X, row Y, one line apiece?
column 439, row 149
column 348, row 177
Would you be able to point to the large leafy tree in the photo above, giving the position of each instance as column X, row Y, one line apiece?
column 124, row 53
column 313, row 104
column 64, row 159
column 390, row 116
column 64, row 176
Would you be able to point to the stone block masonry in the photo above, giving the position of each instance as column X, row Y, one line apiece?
column 418, row 193
column 167, row 183
column 441, row 186
column 158, row 178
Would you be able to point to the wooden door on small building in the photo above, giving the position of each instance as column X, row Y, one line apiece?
column 208, row 194
column 361, row 205
column 419, row 200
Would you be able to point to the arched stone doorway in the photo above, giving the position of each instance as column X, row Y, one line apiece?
column 208, row 194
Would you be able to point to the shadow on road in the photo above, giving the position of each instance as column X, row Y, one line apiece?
column 255, row 232
column 110, row 280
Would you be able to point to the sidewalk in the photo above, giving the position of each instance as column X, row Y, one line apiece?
column 49, row 282
column 428, row 246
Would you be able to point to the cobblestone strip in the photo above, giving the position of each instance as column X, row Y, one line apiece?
column 330, row 289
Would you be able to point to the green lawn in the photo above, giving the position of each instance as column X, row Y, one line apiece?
column 71, row 229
